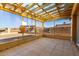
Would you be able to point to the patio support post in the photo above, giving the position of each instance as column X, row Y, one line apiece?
column 35, row 27
column 54, row 28
column 42, row 28
column 27, row 24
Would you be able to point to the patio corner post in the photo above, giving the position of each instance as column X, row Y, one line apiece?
column 42, row 28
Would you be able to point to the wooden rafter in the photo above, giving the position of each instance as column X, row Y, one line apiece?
column 44, row 17
column 53, row 10
column 58, row 9
column 31, row 6
column 28, row 8
column 58, row 18
column 46, row 12
column 42, row 6
column 19, row 5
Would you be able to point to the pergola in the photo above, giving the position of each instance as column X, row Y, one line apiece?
column 45, row 12
column 39, row 11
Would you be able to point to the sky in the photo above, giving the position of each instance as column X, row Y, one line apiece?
column 59, row 21
column 9, row 20
column 13, row 21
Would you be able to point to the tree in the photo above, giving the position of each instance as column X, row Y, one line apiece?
column 23, row 29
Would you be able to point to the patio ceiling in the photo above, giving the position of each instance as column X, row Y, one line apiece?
column 39, row 11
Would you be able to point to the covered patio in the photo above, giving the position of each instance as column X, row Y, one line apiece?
column 49, row 29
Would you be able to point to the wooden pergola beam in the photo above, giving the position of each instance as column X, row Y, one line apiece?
column 74, row 10
column 70, row 9
column 42, row 6
column 58, row 9
column 46, row 12
column 57, row 18
column 52, row 10
column 28, row 8
column 31, row 6
column 64, row 13
column 19, row 4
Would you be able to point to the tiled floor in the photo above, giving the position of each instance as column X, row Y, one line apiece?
column 43, row 47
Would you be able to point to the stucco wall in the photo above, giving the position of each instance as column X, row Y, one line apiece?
column 78, row 28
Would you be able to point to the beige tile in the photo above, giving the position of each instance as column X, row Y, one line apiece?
column 43, row 47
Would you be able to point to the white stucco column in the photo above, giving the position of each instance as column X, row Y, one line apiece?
column 23, row 22
column 9, row 30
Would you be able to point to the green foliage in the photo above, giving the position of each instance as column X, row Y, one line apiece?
column 22, row 29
